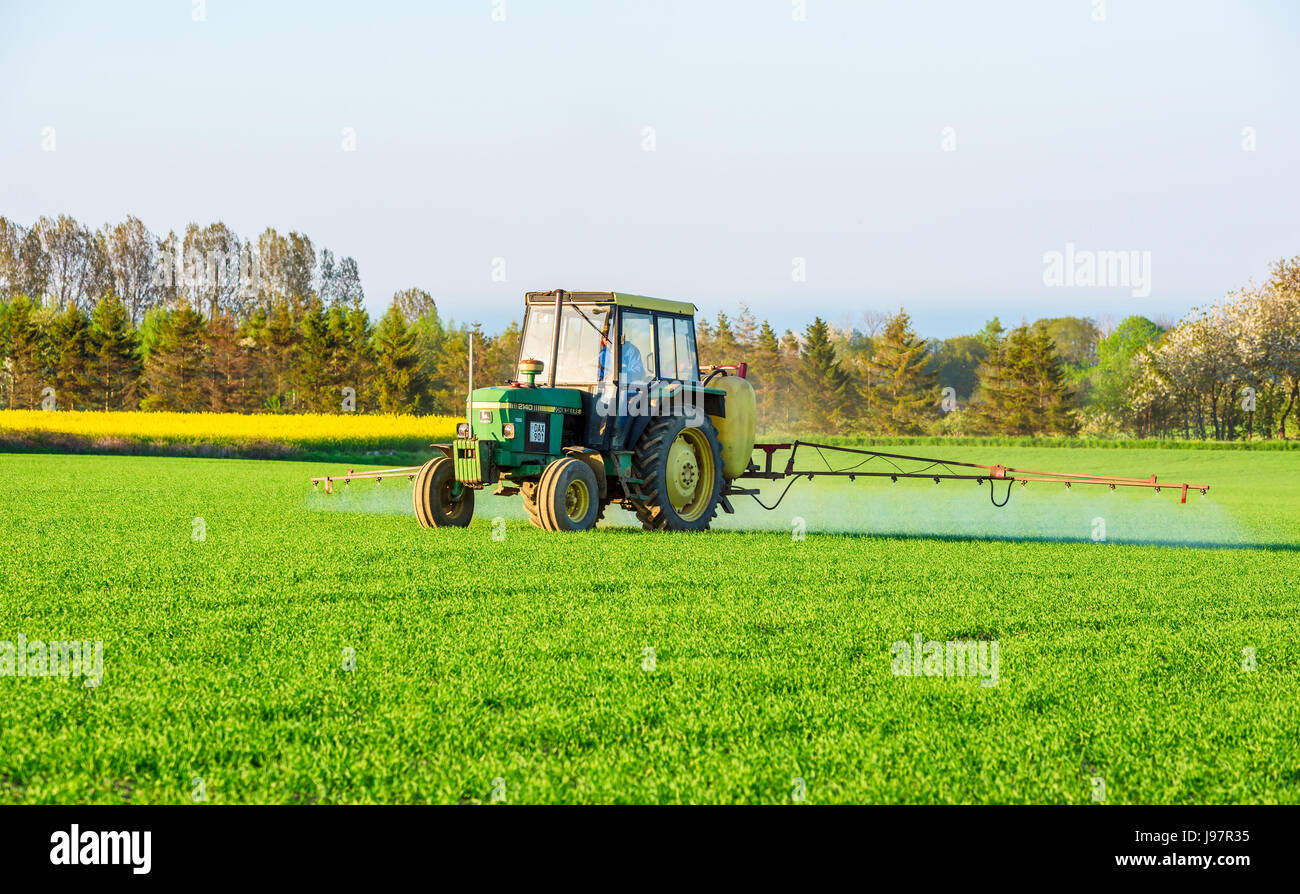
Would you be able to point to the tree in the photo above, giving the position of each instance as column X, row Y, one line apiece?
column 327, row 279
column 1051, row 397
column 71, row 250
column 955, row 362
column 25, row 364
column 772, row 380
column 825, row 391
column 132, row 253
column 270, row 259
column 174, row 372
column 399, row 374
column 1022, row 388
column 313, row 383
column 299, row 268
column 349, row 283
column 716, row 346
column 903, row 392
column 746, row 328
column 1112, row 380
column 1075, row 339
column 1275, row 331
column 446, row 379
column 499, row 354
column 169, row 271
column 228, row 385
column 277, row 339
column 11, row 241
column 67, row 338
column 357, row 368
column 211, row 276
column 113, row 367
column 991, row 334
column 414, row 304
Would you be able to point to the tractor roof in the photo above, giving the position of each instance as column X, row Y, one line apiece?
column 622, row 299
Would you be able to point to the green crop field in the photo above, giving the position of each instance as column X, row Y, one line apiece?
column 266, row 643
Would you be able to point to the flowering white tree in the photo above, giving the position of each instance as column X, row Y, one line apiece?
column 1223, row 366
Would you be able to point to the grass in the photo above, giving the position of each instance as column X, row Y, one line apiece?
column 518, row 665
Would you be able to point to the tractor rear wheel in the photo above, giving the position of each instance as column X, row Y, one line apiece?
column 568, row 497
column 441, row 502
column 680, row 467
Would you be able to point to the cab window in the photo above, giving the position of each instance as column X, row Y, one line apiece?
column 582, row 331
column 637, row 357
column 676, row 358
column 688, row 366
column 667, row 349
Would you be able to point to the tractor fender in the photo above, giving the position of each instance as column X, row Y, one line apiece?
column 445, row 449
column 594, row 459
column 635, row 427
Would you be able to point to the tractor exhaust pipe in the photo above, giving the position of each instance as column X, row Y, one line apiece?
column 555, row 339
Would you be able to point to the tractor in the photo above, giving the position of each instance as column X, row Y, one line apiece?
column 610, row 405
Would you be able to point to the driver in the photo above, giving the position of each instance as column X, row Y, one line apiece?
column 633, row 369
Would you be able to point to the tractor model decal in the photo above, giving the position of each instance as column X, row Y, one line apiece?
column 535, row 408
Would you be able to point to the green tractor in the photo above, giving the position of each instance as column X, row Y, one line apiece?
column 608, row 406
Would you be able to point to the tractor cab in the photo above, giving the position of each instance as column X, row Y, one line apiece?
column 600, row 379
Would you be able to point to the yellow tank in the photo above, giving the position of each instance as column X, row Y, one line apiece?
column 737, row 430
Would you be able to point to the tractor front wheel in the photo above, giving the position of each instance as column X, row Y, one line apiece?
column 680, row 467
column 568, row 497
column 440, row 500
column 528, row 489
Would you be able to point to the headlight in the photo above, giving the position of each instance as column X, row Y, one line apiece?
column 462, row 430
column 508, row 431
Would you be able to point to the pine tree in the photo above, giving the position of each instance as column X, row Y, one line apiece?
column 724, row 347
column 903, row 388
column 67, row 337
column 358, row 368
column 278, row 339
column 114, row 365
column 771, row 379
column 991, row 334
column 25, row 363
column 746, row 328
column 446, row 385
column 826, row 393
column 1051, row 397
column 173, row 373
column 228, row 381
column 399, row 378
column 1022, row 388
column 312, row 380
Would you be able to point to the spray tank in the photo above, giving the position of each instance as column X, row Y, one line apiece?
column 738, row 430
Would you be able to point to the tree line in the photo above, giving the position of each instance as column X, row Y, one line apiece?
column 120, row 318
column 1228, row 371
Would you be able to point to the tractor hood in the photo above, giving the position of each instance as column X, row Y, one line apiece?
column 522, row 420
column 522, row 400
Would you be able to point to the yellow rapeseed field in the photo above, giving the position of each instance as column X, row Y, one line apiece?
column 261, row 434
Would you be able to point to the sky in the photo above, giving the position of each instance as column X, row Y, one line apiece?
column 805, row 158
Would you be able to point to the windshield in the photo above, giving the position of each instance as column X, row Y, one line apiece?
column 579, row 341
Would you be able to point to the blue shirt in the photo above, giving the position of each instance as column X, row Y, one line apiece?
column 633, row 369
